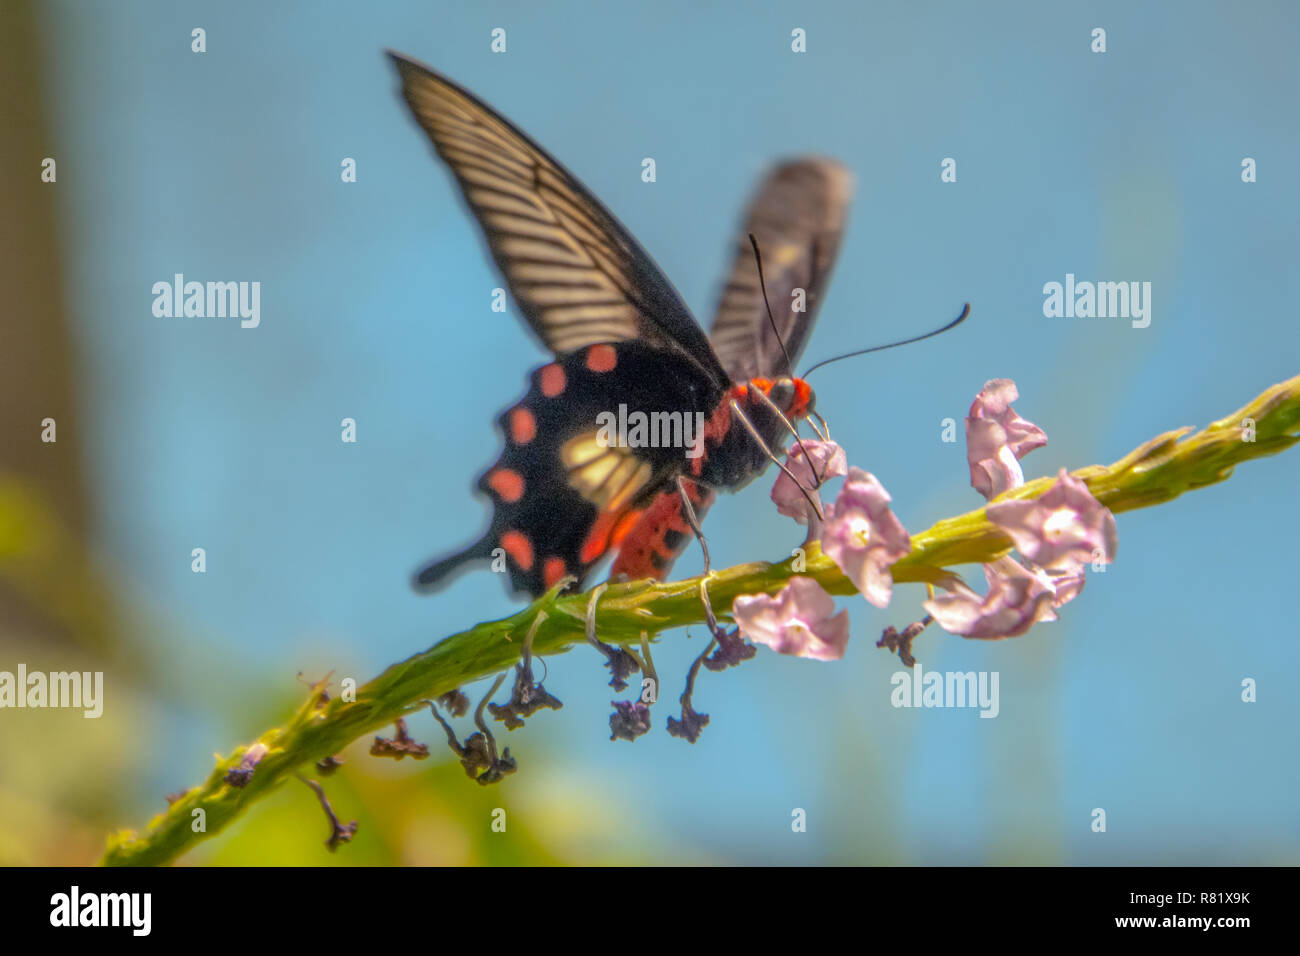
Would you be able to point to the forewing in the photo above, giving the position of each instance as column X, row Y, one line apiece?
column 797, row 215
column 578, row 276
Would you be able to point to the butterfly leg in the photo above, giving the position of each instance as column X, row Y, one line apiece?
column 716, row 631
column 753, row 432
column 693, row 520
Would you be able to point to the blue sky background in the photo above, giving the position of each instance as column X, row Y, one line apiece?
column 375, row 305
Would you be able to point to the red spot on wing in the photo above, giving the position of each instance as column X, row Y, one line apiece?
column 523, row 426
column 608, row 531
column 597, row 542
column 553, row 570
column 624, row 526
column 507, row 483
column 645, row 552
column 519, row 548
column 602, row 358
column 552, row 380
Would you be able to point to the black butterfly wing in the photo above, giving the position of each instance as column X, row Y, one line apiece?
column 563, row 494
column 578, row 276
column 797, row 215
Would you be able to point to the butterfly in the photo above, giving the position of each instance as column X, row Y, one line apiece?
column 570, row 489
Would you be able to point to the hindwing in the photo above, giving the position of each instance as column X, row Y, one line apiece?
column 588, row 449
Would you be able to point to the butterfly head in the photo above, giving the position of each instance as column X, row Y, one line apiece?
column 793, row 396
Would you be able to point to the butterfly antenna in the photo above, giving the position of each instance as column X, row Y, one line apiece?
column 789, row 367
column 735, row 407
column 762, row 286
column 878, row 348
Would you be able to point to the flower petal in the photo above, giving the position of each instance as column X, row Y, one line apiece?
column 799, row 620
column 827, row 460
column 864, row 536
column 996, row 438
column 1017, row 599
column 1063, row 530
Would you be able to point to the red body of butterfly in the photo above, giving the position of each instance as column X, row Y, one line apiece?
column 570, row 488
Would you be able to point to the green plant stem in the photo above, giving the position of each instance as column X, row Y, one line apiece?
column 1155, row 472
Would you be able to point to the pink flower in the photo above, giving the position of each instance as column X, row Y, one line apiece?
column 1018, row 598
column 798, row 620
column 1059, row 534
column 828, row 461
column 864, row 537
column 1068, row 585
column 1063, row 530
column 997, row 438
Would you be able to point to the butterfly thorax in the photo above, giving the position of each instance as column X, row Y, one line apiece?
column 732, row 457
